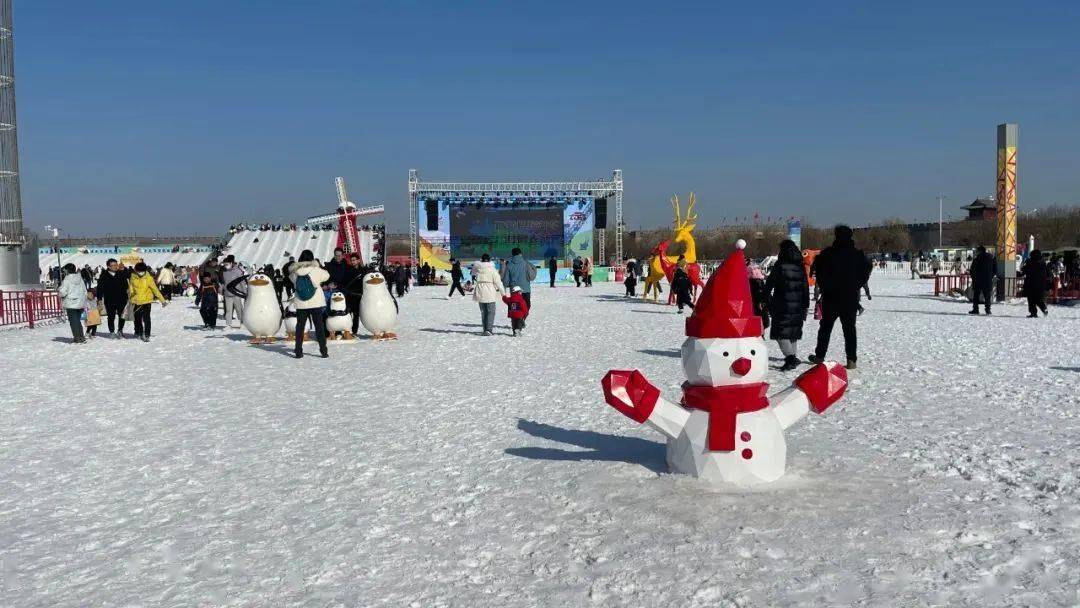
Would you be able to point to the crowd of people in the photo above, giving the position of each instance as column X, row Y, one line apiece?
column 281, row 227
column 121, row 294
column 782, row 293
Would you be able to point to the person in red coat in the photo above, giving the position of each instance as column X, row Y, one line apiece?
column 517, row 309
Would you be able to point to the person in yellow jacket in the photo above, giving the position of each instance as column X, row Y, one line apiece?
column 142, row 291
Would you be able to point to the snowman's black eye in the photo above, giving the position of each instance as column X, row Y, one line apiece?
column 725, row 353
column 753, row 352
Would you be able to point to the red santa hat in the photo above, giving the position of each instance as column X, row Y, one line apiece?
column 725, row 308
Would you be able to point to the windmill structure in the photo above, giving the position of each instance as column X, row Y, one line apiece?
column 346, row 215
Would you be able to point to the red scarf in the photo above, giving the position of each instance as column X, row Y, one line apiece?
column 724, row 403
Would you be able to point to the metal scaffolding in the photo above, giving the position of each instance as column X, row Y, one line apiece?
column 595, row 188
column 11, row 219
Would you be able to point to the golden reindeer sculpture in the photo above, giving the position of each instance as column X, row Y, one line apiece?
column 684, row 229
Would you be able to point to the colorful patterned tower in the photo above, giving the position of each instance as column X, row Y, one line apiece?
column 1007, row 138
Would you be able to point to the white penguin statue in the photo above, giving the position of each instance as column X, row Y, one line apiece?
column 378, row 309
column 290, row 320
column 339, row 319
column 262, row 311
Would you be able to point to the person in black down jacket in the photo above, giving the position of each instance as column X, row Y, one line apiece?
column 1035, row 278
column 112, row 288
column 983, row 268
column 788, row 295
column 841, row 271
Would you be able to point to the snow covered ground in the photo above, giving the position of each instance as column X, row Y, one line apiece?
column 449, row 469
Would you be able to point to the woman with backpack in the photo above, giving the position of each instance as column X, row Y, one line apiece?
column 306, row 276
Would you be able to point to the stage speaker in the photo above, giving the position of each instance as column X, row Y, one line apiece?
column 431, row 211
column 601, row 214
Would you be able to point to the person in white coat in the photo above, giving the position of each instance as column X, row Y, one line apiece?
column 306, row 276
column 166, row 280
column 487, row 290
column 73, row 298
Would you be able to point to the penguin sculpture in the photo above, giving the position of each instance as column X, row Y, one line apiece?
column 339, row 318
column 378, row 309
column 262, row 310
column 290, row 321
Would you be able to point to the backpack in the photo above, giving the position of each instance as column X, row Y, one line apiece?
column 530, row 272
column 305, row 289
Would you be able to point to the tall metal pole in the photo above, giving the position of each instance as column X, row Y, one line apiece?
column 16, row 254
column 414, row 189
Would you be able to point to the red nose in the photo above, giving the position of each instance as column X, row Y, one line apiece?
column 741, row 366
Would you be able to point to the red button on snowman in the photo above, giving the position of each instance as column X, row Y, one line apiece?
column 725, row 430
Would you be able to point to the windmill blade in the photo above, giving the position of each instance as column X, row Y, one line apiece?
column 342, row 195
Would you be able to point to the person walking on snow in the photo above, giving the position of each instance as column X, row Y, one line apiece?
column 519, row 272
column 73, row 298
column 231, row 271
column 553, row 268
column 516, row 309
column 91, row 314
column 455, row 278
column 840, row 270
column 982, row 271
column 112, row 288
column 1036, row 276
column 208, row 303
column 683, row 289
column 142, row 291
column 788, row 295
column 487, row 288
column 166, row 279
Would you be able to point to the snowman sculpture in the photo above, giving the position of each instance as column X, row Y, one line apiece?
column 725, row 430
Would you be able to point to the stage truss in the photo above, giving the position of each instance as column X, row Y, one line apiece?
column 612, row 189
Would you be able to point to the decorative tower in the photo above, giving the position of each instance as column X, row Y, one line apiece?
column 1007, row 141
column 18, row 254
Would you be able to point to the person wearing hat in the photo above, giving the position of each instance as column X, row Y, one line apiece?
column 516, row 309
column 231, row 271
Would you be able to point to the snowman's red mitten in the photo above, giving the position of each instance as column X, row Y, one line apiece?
column 629, row 392
column 823, row 385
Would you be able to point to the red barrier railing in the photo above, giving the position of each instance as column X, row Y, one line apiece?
column 945, row 283
column 1065, row 289
column 17, row 307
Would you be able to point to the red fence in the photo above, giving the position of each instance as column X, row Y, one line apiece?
column 29, row 307
column 1065, row 289
column 945, row 283
column 1059, row 290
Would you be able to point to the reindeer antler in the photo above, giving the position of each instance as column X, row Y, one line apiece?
column 690, row 217
column 675, row 206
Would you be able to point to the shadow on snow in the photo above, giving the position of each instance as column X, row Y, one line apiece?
column 599, row 447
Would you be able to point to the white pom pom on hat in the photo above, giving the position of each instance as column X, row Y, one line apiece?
column 740, row 244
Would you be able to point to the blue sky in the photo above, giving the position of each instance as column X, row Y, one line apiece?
column 177, row 117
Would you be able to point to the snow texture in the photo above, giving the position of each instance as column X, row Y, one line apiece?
column 451, row 469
